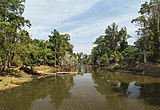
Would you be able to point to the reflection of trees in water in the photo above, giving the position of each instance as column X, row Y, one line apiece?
column 84, row 69
column 118, row 90
column 121, row 87
column 107, row 85
column 150, row 92
column 21, row 98
column 109, row 82
column 61, row 90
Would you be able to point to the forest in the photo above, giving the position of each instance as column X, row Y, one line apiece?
column 17, row 48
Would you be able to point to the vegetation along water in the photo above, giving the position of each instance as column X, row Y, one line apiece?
column 117, row 75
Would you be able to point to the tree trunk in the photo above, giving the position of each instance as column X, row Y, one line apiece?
column 145, row 43
column 55, row 59
column 144, row 56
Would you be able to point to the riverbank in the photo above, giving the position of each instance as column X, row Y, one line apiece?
column 18, row 76
column 140, row 68
column 12, row 80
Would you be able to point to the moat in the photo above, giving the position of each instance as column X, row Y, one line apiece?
column 92, row 89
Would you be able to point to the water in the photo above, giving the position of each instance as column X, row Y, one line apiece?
column 97, row 89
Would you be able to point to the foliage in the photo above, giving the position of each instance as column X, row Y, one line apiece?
column 59, row 43
column 149, row 31
column 11, row 32
column 132, row 54
column 82, row 59
column 109, row 46
column 113, row 46
column 17, row 48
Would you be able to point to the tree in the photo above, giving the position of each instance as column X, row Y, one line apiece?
column 11, row 32
column 39, row 53
column 109, row 47
column 155, row 28
column 149, row 30
column 143, row 21
column 59, row 43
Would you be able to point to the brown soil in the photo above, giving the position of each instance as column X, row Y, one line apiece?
column 16, row 77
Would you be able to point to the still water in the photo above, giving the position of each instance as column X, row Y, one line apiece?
column 93, row 89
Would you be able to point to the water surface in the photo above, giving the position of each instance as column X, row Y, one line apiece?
column 93, row 89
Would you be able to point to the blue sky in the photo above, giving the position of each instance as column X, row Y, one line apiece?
column 84, row 20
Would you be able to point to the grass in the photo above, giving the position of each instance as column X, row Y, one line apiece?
column 14, row 79
column 11, row 81
column 45, row 69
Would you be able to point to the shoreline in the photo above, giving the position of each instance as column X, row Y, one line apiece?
column 135, row 67
column 13, row 80
column 10, row 82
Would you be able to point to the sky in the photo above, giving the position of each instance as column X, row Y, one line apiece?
column 83, row 20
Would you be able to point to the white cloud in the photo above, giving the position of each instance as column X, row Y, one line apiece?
column 49, row 11
column 38, row 31
column 46, row 15
column 86, row 33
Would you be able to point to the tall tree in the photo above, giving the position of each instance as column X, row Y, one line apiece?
column 59, row 43
column 149, row 22
column 155, row 28
column 143, row 21
column 110, row 46
column 11, row 23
